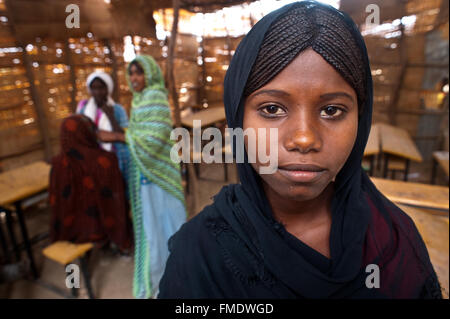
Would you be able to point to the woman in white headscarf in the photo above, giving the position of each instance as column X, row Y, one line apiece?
column 110, row 117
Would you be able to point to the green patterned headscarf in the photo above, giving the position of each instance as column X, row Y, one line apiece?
column 148, row 138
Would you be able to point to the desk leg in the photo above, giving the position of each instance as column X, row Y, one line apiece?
column 406, row 170
column 12, row 236
column 433, row 171
column 26, row 240
column 379, row 159
column 386, row 162
column 4, row 246
column 372, row 162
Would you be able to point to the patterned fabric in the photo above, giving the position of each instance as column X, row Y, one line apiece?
column 148, row 138
column 162, row 216
column 87, row 193
column 121, row 149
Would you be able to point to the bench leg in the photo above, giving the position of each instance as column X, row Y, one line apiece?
column 86, row 276
column 74, row 292
column 26, row 240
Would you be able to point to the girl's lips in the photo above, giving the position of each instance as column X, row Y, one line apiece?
column 301, row 173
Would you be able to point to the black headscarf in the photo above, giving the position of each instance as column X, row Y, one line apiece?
column 236, row 249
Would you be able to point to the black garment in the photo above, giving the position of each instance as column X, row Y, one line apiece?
column 236, row 249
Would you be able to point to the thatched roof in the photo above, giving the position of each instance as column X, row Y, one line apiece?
column 105, row 19
column 395, row 9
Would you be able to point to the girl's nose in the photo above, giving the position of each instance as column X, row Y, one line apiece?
column 304, row 138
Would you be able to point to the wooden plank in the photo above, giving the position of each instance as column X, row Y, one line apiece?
column 22, row 182
column 208, row 117
column 435, row 233
column 415, row 194
column 396, row 141
column 442, row 158
column 373, row 143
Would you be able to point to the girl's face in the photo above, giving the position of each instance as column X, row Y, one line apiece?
column 137, row 77
column 316, row 113
column 99, row 91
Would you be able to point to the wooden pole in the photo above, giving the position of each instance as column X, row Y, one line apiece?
column 203, row 83
column 112, row 56
column 40, row 112
column 170, row 64
column 392, row 111
column 228, row 39
column 73, row 82
column 252, row 21
column 203, row 77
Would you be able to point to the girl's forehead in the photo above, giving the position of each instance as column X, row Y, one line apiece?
column 136, row 67
column 98, row 82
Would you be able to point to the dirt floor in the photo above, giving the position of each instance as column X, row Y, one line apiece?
column 112, row 274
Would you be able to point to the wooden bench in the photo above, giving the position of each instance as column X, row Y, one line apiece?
column 439, row 158
column 435, row 233
column 415, row 194
column 65, row 253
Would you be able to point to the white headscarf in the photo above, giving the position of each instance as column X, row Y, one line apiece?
column 105, row 77
column 90, row 110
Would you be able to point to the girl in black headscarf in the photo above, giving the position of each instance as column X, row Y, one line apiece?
column 317, row 227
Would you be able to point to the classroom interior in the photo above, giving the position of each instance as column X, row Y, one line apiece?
column 43, row 70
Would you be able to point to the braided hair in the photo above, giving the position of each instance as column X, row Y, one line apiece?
column 314, row 26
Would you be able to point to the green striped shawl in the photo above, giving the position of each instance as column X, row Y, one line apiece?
column 148, row 138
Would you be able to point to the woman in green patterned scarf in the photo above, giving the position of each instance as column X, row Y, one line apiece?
column 156, row 194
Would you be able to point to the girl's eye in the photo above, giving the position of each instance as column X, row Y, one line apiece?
column 271, row 110
column 331, row 112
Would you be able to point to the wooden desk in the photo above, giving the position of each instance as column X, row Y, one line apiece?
column 442, row 158
column 22, row 182
column 208, row 117
column 415, row 194
column 373, row 143
column 439, row 158
column 396, row 141
column 373, row 146
column 15, row 186
column 435, row 233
